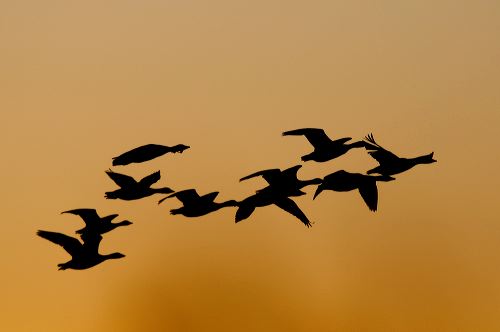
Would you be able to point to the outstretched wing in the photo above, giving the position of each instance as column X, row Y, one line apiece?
column 291, row 207
column 70, row 244
column 369, row 193
column 315, row 136
column 291, row 173
column 123, row 181
column 185, row 196
column 89, row 216
column 151, row 179
column 267, row 174
column 377, row 152
column 210, row 197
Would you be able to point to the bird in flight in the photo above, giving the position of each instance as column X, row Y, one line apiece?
column 83, row 255
column 269, row 196
column 94, row 223
column 130, row 189
column 345, row 181
column 195, row 205
column 147, row 152
column 324, row 148
column 389, row 163
column 286, row 181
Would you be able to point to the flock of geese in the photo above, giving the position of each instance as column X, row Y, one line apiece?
column 282, row 185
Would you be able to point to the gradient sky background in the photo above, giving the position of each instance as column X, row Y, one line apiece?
column 83, row 81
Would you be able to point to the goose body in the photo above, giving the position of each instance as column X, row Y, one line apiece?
column 147, row 152
column 83, row 255
column 130, row 189
column 325, row 149
column 343, row 181
column 195, row 205
column 94, row 223
column 389, row 163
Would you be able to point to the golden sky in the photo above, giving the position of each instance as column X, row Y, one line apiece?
column 83, row 81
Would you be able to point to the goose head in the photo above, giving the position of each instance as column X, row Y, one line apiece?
column 428, row 159
column 114, row 255
column 125, row 223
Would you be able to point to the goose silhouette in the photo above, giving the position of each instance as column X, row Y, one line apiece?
column 83, row 255
column 147, row 152
column 269, row 196
column 389, row 163
column 195, row 205
column 324, row 148
column 285, row 182
column 345, row 181
column 130, row 189
column 96, row 224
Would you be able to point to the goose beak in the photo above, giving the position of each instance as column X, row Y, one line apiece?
column 432, row 157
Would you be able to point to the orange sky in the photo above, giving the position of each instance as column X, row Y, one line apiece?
column 82, row 82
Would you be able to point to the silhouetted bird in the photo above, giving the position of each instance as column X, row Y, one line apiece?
column 391, row 164
column 130, row 189
column 324, row 148
column 96, row 224
column 268, row 196
column 83, row 255
column 286, row 181
column 345, row 181
column 146, row 152
column 195, row 205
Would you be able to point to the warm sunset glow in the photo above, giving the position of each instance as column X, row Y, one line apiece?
column 82, row 82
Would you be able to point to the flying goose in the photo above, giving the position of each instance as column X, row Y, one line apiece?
column 195, row 205
column 147, row 152
column 130, row 189
column 286, row 181
column 324, row 148
column 83, row 255
column 269, row 196
column 389, row 163
column 345, row 181
column 94, row 223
